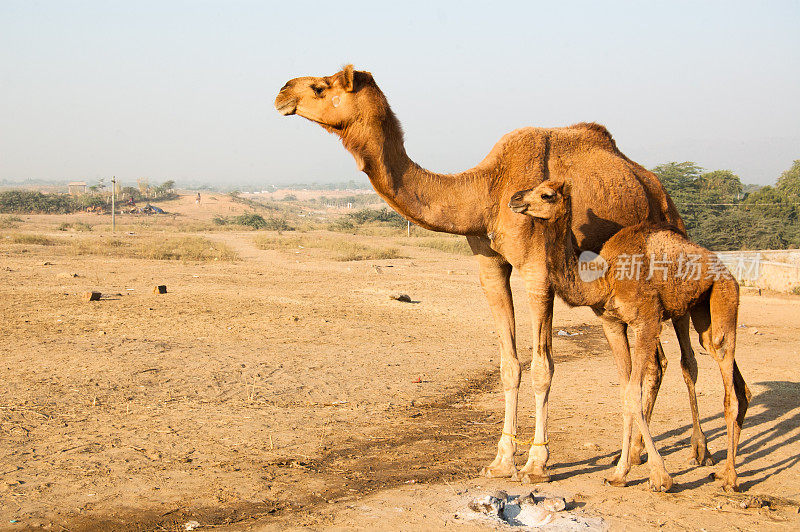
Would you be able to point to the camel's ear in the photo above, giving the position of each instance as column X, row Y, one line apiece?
column 559, row 187
column 348, row 78
column 566, row 189
column 352, row 80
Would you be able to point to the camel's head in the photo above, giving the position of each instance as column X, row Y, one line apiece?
column 334, row 102
column 549, row 201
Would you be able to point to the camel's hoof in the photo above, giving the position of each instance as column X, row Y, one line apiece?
column 535, row 478
column 660, row 482
column 499, row 472
column 616, row 482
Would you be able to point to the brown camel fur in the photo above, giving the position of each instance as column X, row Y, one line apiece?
column 610, row 192
column 645, row 274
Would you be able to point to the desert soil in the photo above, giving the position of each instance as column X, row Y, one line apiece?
column 286, row 390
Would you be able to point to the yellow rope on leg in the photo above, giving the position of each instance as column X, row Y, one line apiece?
column 525, row 442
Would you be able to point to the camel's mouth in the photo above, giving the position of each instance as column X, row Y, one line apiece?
column 286, row 107
column 519, row 208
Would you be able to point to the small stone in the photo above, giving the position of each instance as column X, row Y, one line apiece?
column 405, row 298
column 554, row 504
column 488, row 505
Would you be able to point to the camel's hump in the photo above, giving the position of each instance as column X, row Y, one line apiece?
column 583, row 133
column 593, row 126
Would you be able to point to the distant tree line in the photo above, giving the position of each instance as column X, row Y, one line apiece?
column 30, row 202
column 18, row 201
column 721, row 213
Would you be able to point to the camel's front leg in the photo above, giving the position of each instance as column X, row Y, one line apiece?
column 540, row 295
column 495, row 273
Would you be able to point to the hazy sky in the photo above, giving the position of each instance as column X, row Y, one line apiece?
column 184, row 90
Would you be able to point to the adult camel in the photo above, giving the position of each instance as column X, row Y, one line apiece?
column 609, row 192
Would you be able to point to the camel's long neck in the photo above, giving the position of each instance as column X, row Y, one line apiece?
column 451, row 203
column 562, row 252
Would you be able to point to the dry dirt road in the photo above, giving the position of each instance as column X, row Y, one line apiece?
column 286, row 390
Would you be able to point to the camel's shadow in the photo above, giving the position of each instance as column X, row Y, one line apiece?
column 758, row 441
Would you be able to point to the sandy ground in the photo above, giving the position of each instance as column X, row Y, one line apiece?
column 286, row 390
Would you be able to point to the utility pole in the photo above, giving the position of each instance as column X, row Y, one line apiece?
column 113, row 203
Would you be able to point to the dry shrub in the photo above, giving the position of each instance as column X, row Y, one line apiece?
column 31, row 238
column 74, row 226
column 10, row 222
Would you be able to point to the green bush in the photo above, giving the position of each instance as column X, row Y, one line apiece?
column 384, row 215
column 256, row 221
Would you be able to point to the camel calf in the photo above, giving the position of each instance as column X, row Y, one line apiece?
column 644, row 274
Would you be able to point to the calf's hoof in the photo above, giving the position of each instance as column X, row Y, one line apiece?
column 704, row 462
column 701, row 457
column 729, row 480
column 730, row 486
column 660, row 481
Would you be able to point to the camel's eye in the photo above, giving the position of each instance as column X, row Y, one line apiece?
column 548, row 196
column 317, row 90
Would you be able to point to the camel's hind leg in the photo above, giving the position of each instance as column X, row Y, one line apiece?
column 700, row 454
column 653, row 375
column 715, row 321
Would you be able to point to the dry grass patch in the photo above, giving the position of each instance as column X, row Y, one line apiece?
column 187, row 248
column 340, row 249
column 31, row 238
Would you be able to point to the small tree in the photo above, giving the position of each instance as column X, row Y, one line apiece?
column 789, row 182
